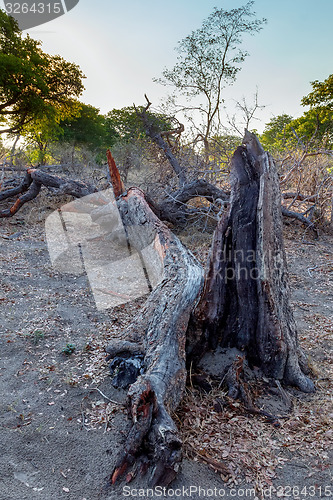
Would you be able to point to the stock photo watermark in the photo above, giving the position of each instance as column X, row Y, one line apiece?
column 194, row 491
column 29, row 13
column 87, row 236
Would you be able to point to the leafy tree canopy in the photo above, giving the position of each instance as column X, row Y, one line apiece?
column 277, row 133
column 33, row 84
column 321, row 95
column 314, row 128
column 88, row 128
column 317, row 123
column 129, row 126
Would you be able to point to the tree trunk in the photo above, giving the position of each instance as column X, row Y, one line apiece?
column 246, row 300
column 31, row 185
column 161, row 325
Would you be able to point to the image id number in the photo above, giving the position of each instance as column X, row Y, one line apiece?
column 35, row 8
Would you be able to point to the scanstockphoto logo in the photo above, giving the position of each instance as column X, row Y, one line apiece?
column 29, row 13
column 87, row 236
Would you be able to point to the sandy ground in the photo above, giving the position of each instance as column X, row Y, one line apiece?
column 59, row 435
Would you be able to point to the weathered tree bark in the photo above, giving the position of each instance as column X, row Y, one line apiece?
column 173, row 209
column 117, row 183
column 21, row 188
column 243, row 302
column 161, row 326
column 246, row 301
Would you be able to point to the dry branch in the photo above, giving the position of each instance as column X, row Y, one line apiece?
column 301, row 218
column 31, row 186
column 173, row 209
column 156, row 136
column 117, row 184
column 23, row 186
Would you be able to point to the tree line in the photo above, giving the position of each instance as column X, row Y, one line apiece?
column 39, row 96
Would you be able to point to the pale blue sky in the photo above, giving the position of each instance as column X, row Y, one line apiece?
column 122, row 45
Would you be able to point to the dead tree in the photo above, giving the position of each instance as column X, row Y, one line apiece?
column 244, row 304
column 30, row 187
column 161, row 325
column 174, row 207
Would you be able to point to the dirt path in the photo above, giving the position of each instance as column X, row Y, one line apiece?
column 59, row 434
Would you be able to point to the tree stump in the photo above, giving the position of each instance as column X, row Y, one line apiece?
column 246, row 298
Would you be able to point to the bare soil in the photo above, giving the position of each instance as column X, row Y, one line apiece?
column 60, row 432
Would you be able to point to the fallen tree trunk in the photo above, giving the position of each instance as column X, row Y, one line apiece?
column 297, row 216
column 161, row 326
column 300, row 196
column 21, row 188
column 173, row 209
column 31, row 185
column 243, row 302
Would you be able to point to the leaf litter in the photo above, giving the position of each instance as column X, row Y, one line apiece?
column 237, row 445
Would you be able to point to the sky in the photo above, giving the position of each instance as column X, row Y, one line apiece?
column 122, row 44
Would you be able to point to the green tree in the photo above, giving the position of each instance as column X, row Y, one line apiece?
column 277, row 134
column 128, row 125
column 317, row 123
column 33, row 84
column 88, row 128
column 313, row 130
column 91, row 129
column 209, row 59
column 321, row 95
column 41, row 132
column 84, row 128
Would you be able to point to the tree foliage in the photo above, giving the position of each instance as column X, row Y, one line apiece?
column 277, row 134
column 321, row 95
column 313, row 129
column 210, row 58
column 33, row 85
column 129, row 126
column 318, row 121
column 89, row 128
